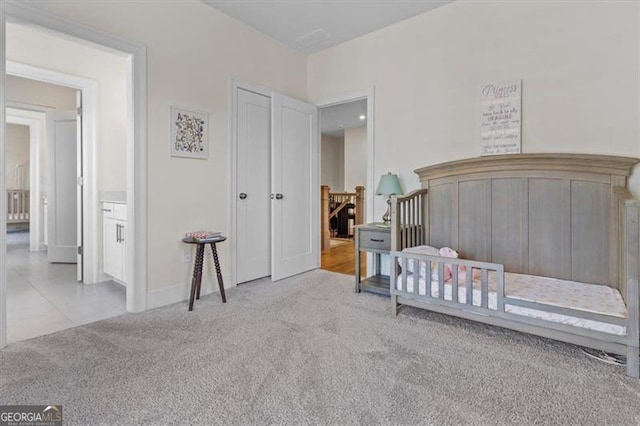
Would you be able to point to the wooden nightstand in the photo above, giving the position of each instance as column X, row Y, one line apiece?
column 376, row 239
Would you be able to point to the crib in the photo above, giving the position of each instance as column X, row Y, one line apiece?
column 17, row 206
column 549, row 245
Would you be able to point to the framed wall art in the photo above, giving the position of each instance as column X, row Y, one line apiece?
column 500, row 118
column 189, row 133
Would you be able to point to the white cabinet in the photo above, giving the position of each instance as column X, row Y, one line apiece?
column 114, row 240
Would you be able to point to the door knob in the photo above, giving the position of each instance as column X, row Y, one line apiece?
column 279, row 196
column 242, row 195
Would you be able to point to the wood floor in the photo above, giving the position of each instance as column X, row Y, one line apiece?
column 341, row 259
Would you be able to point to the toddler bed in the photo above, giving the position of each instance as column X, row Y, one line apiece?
column 551, row 246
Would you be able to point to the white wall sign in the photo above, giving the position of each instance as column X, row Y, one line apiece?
column 500, row 118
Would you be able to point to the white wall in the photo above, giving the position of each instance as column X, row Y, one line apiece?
column 332, row 163
column 355, row 158
column 192, row 52
column 17, row 153
column 40, row 95
column 344, row 160
column 578, row 62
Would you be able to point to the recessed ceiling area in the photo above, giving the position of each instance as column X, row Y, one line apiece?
column 334, row 119
column 312, row 25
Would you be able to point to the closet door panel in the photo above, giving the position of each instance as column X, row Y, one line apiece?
column 253, row 183
column 295, row 187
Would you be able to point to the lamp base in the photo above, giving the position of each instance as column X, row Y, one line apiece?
column 387, row 216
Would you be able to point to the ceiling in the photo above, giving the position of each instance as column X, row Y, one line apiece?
column 334, row 119
column 312, row 25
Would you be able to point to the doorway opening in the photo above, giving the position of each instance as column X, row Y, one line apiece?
column 51, row 284
column 57, row 279
column 22, row 159
column 355, row 113
column 136, row 145
column 343, row 129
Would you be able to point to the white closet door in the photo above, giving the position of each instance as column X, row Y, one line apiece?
column 295, row 187
column 253, row 177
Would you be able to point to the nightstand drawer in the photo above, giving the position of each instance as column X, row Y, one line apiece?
column 374, row 240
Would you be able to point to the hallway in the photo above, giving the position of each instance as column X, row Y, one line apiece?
column 43, row 298
column 341, row 258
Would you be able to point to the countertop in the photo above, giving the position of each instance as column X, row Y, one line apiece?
column 113, row 197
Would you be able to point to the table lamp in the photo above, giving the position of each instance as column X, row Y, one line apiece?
column 389, row 185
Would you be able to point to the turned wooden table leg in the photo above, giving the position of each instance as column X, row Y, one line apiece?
column 201, row 251
column 197, row 275
column 218, row 273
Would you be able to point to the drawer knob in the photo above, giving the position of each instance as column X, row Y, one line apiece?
column 377, row 241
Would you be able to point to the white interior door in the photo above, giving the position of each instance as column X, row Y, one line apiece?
column 79, row 186
column 295, row 187
column 253, row 184
column 62, row 198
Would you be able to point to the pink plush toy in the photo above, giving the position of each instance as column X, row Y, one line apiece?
column 462, row 270
column 448, row 252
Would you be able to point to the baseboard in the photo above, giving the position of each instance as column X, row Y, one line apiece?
column 180, row 293
column 102, row 277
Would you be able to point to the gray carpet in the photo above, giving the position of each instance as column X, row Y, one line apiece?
column 307, row 350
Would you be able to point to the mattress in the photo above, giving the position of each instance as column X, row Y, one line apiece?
column 599, row 299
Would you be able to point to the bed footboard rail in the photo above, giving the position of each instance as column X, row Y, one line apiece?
column 409, row 220
column 629, row 272
column 425, row 272
column 463, row 287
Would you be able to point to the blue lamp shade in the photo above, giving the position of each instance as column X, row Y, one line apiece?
column 389, row 185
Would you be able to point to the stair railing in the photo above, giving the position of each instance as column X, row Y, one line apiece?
column 342, row 199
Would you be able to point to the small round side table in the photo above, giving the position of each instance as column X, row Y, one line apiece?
column 197, row 267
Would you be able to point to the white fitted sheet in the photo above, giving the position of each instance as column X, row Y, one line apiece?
column 568, row 294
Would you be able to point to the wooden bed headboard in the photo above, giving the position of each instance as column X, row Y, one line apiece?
column 554, row 215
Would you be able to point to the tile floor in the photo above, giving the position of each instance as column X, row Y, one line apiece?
column 44, row 297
